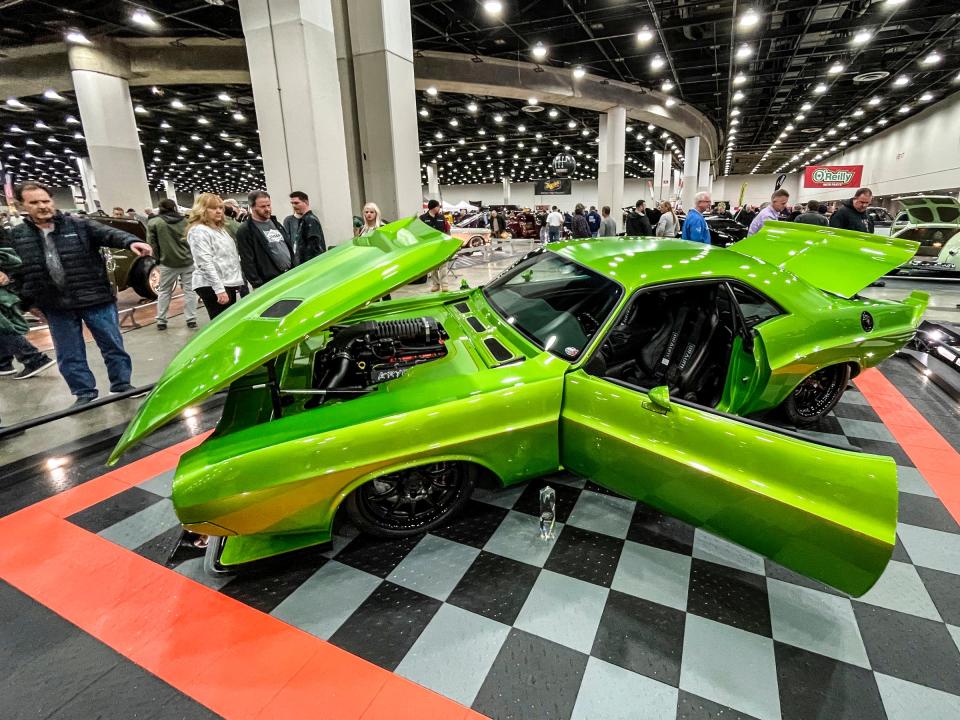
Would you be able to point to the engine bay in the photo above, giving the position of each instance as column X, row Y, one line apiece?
column 360, row 356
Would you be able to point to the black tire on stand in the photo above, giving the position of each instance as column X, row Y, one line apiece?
column 145, row 278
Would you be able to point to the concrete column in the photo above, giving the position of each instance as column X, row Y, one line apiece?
column 677, row 175
column 99, row 73
column 433, row 181
column 691, row 167
column 611, row 148
column 296, row 89
column 704, row 179
column 381, row 42
column 79, row 202
column 506, row 191
column 89, row 183
column 170, row 190
column 661, row 174
column 348, row 100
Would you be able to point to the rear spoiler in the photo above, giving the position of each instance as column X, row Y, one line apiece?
column 841, row 262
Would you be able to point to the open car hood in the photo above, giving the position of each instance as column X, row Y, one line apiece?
column 931, row 210
column 282, row 313
column 841, row 262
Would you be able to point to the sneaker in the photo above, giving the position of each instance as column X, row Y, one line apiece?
column 126, row 388
column 192, row 324
column 7, row 369
column 435, row 288
column 84, row 400
column 161, row 325
column 35, row 368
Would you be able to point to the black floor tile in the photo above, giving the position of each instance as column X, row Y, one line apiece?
column 882, row 447
column 815, row 687
column 642, row 636
column 113, row 510
column 386, row 625
column 694, row 707
column 475, row 525
column 944, row 589
column 651, row 527
column 531, row 678
column 270, row 584
column 895, row 641
column 167, row 548
column 585, row 555
column 729, row 596
column 926, row 512
column 900, row 552
column 593, row 487
column 377, row 556
column 828, row 424
column 779, row 572
column 529, row 500
column 849, row 411
column 495, row 587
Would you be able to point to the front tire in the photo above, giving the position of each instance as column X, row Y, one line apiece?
column 816, row 395
column 411, row 501
column 145, row 278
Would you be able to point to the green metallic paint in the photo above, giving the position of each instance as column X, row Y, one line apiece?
column 329, row 287
column 272, row 483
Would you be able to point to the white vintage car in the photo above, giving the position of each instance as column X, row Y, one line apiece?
column 934, row 222
column 472, row 232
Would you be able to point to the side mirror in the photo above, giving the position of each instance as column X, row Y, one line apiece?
column 660, row 398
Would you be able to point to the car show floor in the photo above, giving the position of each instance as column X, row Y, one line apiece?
column 625, row 613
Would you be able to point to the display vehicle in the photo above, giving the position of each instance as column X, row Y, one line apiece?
column 934, row 222
column 125, row 268
column 882, row 219
column 724, row 231
column 523, row 225
column 631, row 361
column 472, row 232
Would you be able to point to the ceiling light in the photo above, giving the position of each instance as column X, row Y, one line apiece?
column 15, row 104
column 926, row 97
column 820, row 89
column 493, row 7
column 904, row 109
column 842, row 124
column 521, row 128
column 862, row 37
column 578, row 72
column 239, row 116
column 749, row 19
column 177, row 104
column 644, row 34
column 799, row 116
column 667, row 86
column 454, row 122
column 744, row 51
column 858, row 112
column 670, row 102
column 498, row 118
column 71, row 120
column 657, row 63
column 572, row 124
column 539, row 51
column 739, row 79
column 53, row 95
column 734, row 112
column 432, row 91
column 424, row 112
column 835, row 69
column 165, row 125
column 142, row 17
column 874, row 101
column 738, row 96
column 932, row 59
column 553, row 113
column 77, row 37
column 203, row 121
column 882, row 121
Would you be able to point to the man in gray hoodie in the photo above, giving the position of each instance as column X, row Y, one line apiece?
column 166, row 234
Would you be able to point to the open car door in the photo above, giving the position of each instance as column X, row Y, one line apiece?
column 822, row 511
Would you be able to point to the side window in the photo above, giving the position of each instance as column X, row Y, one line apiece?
column 753, row 305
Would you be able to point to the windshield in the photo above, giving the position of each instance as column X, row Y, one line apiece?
column 471, row 222
column 555, row 302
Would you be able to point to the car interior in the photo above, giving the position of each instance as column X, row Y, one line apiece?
column 679, row 336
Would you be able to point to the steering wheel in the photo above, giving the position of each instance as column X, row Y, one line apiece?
column 587, row 322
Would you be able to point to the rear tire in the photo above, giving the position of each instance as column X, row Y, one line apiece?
column 816, row 395
column 145, row 278
column 411, row 501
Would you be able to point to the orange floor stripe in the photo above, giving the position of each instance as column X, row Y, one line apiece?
column 237, row 661
column 934, row 456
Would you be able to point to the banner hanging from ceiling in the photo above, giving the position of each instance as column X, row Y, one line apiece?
column 832, row 176
column 554, row 186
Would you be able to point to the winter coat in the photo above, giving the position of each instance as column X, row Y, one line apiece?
column 216, row 264
column 812, row 218
column 12, row 321
column 848, row 218
column 306, row 232
column 580, row 227
column 255, row 258
column 167, row 235
column 78, row 241
column 638, row 224
column 593, row 220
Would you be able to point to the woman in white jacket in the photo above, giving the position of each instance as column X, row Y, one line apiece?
column 216, row 265
column 667, row 226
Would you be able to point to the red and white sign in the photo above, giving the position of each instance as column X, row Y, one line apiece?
column 832, row 176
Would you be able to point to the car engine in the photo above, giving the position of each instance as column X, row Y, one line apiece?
column 369, row 353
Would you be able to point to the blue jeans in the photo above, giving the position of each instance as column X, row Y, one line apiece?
column 554, row 233
column 66, row 329
column 17, row 346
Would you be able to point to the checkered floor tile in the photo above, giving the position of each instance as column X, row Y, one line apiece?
column 626, row 613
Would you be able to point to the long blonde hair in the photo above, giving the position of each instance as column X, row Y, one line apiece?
column 379, row 220
column 198, row 213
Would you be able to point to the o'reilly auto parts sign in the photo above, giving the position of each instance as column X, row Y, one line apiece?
column 832, row 176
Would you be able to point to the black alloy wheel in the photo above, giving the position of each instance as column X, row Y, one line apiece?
column 816, row 395
column 411, row 501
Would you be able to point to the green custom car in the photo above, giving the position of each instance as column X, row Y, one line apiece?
column 632, row 361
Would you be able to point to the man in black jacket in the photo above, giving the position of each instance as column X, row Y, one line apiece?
column 638, row 224
column 812, row 216
column 852, row 213
column 64, row 276
column 265, row 248
column 304, row 228
column 434, row 218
